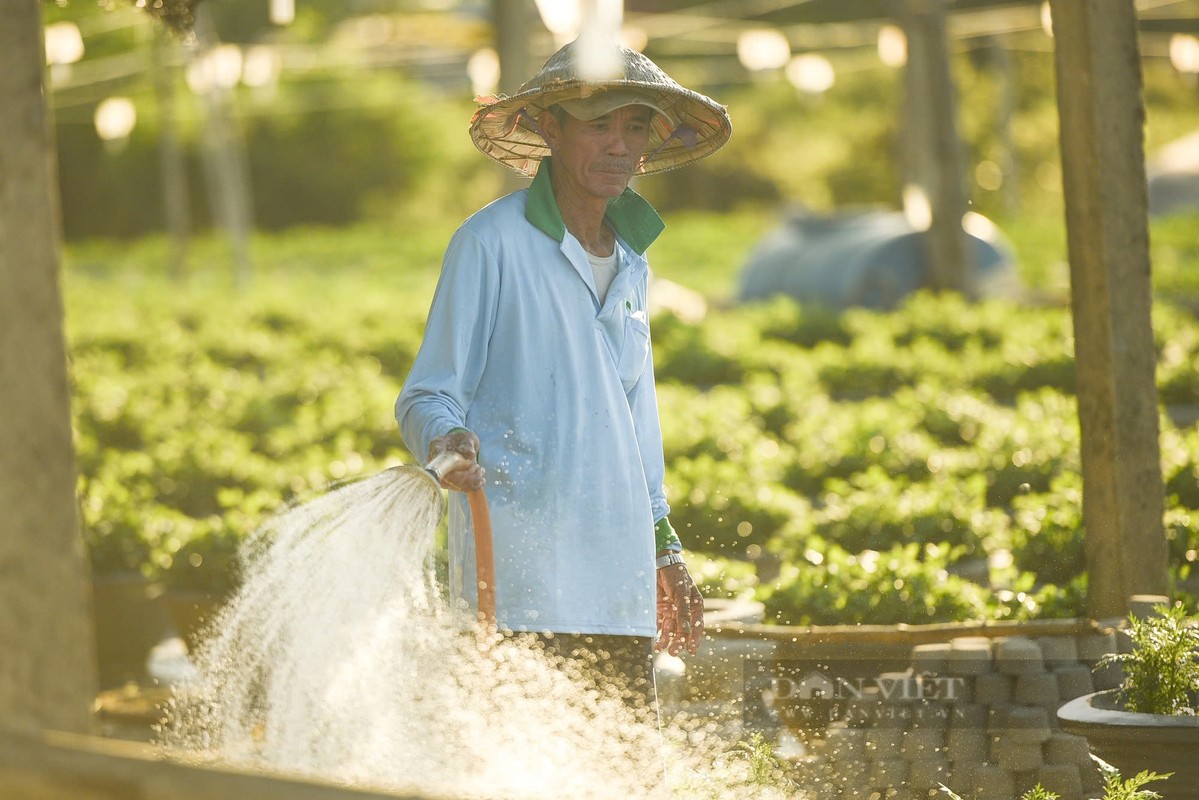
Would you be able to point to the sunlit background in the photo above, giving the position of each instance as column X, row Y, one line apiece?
column 255, row 213
column 332, row 113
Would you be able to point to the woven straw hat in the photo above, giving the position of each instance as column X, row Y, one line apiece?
column 688, row 127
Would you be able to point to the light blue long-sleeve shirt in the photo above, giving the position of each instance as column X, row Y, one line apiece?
column 560, row 391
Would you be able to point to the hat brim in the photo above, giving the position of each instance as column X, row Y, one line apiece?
column 602, row 103
column 505, row 128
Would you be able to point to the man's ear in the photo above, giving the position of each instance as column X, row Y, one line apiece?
column 551, row 131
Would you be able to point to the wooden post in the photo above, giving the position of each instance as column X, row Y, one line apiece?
column 934, row 158
column 47, row 656
column 511, row 21
column 1103, row 171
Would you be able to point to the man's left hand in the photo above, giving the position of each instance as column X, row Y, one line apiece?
column 680, row 611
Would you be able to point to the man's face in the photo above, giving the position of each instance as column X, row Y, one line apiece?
column 597, row 158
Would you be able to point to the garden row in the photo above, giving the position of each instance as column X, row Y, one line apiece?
column 914, row 466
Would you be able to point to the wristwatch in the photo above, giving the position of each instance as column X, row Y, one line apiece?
column 668, row 559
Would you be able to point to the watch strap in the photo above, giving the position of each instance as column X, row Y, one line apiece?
column 668, row 559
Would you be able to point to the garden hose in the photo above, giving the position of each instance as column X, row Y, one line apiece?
column 480, row 516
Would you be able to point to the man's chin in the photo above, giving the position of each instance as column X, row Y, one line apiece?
column 615, row 184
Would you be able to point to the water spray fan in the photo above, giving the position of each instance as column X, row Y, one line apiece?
column 480, row 516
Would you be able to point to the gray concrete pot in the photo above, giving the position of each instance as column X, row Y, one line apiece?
column 1133, row 742
column 128, row 621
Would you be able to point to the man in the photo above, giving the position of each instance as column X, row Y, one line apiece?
column 536, row 366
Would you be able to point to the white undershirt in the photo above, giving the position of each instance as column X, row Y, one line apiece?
column 604, row 269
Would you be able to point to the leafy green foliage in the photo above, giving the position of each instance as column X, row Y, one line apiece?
column 1116, row 787
column 1039, row 792
column 855, row 467
column 907, row 583
column 207, row 558
column 1161, row 674
column 1047, row 537
column 764, row 766
column 751, row 767
column 198, row 415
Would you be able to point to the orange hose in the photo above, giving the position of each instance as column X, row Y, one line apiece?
column 480, row 516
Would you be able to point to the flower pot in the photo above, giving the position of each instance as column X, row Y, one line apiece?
column 1132, row 742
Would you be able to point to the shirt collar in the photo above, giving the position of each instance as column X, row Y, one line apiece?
column 630, row 214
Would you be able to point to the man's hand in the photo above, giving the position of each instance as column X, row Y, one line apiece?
column 468, row 477
column 680, row 611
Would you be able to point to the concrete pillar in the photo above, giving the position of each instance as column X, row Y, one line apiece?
column 934, row 160
column 1103, row 171
column 47, row 656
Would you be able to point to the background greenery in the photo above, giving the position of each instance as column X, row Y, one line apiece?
column 342, row 139
column 914, row 466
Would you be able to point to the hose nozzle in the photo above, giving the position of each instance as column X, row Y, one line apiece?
column 444, row 464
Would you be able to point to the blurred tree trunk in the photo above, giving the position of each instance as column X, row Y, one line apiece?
column 512, row 22
column 47, row 661
column 935, row 194
column 1102, row 117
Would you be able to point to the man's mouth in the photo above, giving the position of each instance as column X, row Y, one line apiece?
column 617, row 170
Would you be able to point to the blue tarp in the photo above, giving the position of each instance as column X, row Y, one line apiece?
column 871, row 259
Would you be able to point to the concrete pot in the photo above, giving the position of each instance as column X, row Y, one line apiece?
column 128, row 621
column 1133, row 742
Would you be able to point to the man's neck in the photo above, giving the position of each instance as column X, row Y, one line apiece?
column 583, row 216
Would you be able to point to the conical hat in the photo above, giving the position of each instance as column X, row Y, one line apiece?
column 505, row 129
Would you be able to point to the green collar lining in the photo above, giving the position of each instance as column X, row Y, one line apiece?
column 630, row 214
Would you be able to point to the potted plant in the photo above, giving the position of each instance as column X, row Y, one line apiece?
column 1150, row 722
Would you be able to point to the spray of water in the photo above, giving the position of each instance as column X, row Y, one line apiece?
column 340, row 659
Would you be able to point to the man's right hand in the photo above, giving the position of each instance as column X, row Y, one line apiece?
column 467, row 478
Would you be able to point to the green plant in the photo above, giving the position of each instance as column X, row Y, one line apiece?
column 763, row 764
column 1037, row 792
column 908, row 583
column 751, row 768
column 206, row 561
column 1047, row 537
column 722, row 578
column 1116, row 787
column 950, row 792
column 872, row 512
column 116, row 545
column 1161, row 673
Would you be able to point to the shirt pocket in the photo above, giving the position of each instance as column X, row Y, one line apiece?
column 634, row 352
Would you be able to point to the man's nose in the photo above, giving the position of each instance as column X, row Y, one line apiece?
column 618, row 143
